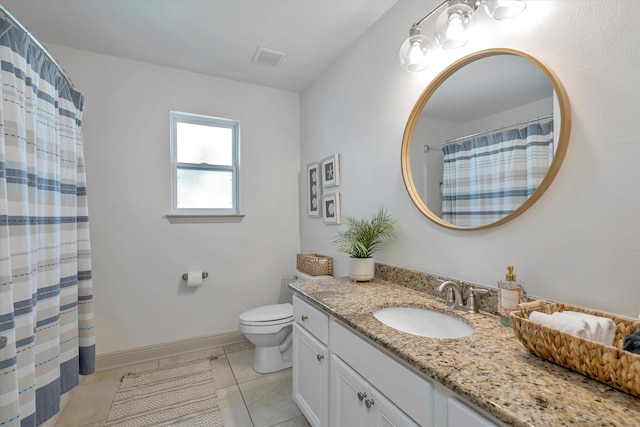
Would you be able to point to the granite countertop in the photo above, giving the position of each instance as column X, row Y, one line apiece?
column 490, row 368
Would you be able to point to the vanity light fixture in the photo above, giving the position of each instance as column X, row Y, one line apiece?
column 451, row 28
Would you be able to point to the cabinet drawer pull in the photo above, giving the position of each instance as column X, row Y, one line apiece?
column 361, row 396
column 303, row 317
column 368, row 403
column 319, row 357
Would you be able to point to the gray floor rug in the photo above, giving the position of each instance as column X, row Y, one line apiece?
column 177, row 396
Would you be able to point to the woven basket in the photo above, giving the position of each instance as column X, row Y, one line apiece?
column 314, row 264
column 605, row 363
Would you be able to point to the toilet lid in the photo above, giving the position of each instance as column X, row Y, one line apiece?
column 268, row 313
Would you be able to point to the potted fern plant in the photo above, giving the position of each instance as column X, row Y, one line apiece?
column 361, row 239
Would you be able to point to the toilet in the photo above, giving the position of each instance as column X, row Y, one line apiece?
column 269, row 328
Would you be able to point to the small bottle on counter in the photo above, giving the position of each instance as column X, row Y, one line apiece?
column 510, row 294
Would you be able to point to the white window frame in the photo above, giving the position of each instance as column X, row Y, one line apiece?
column 188, row 215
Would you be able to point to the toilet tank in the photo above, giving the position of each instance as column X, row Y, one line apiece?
column 286, row 293
column 304, row 277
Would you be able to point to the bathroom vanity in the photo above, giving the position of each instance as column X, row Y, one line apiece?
column 350, row 369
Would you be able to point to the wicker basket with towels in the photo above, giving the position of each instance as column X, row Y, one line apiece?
column 609, row 364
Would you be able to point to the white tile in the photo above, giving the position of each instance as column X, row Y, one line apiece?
column 89, row 403
column 222, row 373
column 234, row 412
column 269, row 399
column 300, row 421
column 268, row 396
column 242, row 365
column 190, row 357
column 118, row 373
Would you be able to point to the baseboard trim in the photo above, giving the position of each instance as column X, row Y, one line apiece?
column 158, row 351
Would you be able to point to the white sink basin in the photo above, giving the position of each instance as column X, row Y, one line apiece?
column 423, row 322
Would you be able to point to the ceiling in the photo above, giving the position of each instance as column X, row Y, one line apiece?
column 213, row 37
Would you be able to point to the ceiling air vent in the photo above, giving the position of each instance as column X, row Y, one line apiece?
column 267, row 56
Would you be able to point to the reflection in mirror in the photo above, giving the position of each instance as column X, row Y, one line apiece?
column 485, row 139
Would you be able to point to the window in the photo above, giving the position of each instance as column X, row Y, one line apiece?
column 205, row 161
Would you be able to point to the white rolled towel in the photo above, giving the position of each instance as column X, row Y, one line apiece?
column 603, row 329
column 567, row 324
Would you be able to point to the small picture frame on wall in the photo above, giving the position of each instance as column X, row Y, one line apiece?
column 331, row 208
column 314, row 193
column 331, row 171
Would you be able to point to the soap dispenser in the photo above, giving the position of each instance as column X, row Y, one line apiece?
column 510, row 294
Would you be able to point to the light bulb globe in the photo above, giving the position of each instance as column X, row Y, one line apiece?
column 452, row 25
column 504, row 9
column 414, row 53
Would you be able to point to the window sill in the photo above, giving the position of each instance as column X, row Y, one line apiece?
column 203, row 218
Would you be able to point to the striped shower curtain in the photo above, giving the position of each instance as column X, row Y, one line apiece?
column 488, row 177
column 46, row 297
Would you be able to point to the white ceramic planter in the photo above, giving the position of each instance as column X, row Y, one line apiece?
column 362, row 269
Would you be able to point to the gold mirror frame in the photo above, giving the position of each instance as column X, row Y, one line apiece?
column 563, row 138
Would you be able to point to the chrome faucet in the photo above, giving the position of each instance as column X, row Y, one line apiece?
column 454, row 293
column 450, row 286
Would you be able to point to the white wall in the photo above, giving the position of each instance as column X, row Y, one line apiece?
column 138, row 257
column 580, row 243
column 427, row 169
column 530, row 111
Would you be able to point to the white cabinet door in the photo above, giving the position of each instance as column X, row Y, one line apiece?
column 348, row 394
column 387, row 414
column 310, row 376
column 356, row 403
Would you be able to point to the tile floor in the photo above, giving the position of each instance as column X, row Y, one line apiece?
column 247, row 398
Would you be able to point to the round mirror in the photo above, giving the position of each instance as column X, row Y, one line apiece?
column 485, row 139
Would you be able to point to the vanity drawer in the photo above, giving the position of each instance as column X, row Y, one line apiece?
column 311, row 318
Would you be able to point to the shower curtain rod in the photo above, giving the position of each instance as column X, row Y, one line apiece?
column 17, row 23
column 427, row 147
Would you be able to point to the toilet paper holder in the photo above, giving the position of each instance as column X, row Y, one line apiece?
column 185, row 276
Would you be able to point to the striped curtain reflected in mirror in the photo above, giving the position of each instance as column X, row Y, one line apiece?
column 488, row 177
column 46, row 295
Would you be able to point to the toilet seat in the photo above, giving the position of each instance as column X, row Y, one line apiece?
column 268, row 315
column 287, row 321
